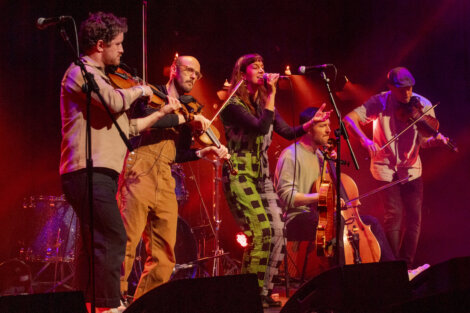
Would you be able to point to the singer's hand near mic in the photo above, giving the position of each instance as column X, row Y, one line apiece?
column 271, row 77
column 271, row 81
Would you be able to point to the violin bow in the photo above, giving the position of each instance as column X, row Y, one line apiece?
column 407, row 127
column 226, row 101
column 406, row 179
column 144, row 41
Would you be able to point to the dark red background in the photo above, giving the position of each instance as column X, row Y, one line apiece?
column 364, row 39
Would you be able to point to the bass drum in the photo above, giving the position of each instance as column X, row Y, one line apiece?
column 186, row 253
column 51, row 230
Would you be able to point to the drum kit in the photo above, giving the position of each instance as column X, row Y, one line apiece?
column 53, row 236
column 50, row 240
column 55, row 230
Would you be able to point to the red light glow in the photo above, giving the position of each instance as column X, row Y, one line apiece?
column 242, row 240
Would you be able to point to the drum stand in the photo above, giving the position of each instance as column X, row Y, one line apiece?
column 220, row 258
column 59, row 271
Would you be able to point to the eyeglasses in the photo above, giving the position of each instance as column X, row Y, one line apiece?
column 190, row 71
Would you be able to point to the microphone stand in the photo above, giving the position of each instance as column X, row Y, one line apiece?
column 88, row 87
column 341, row 131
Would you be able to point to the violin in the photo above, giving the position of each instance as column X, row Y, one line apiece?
column 123, row 79
column 427, row 125
column 208, row 137
column 211, row 135
column 360, row 244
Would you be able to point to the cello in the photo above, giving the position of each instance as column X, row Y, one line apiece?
column 360, row 244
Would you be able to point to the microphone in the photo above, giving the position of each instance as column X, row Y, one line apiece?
column 45, row 22
column 306, row 69
column 265, row 76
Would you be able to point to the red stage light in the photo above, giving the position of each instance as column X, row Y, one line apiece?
column 242, row 239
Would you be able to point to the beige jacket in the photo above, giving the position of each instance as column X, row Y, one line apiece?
column 108, row 149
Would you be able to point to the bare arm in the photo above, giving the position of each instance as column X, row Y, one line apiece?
column 352, row 121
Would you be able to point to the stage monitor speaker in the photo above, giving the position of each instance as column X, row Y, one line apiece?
column 444, row 287
column 367, row 287
column 235, row 293
column 59, row 302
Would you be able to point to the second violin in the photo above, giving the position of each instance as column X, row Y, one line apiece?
column 190, row 107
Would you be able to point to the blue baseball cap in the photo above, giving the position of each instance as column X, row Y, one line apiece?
column 400, row 77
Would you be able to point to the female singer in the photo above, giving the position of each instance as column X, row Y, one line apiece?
column 249, row 120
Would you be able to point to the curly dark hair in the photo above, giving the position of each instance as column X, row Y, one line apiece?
column 100, row 26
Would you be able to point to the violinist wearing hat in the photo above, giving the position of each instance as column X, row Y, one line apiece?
column 400, row 159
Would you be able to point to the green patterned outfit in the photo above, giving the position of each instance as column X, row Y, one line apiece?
column 250, row 194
